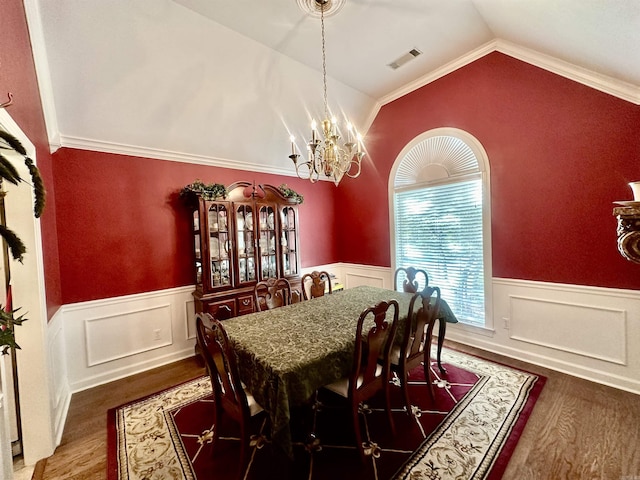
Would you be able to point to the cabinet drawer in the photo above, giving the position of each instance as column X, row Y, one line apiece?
column 245, row 304
column 221, row 310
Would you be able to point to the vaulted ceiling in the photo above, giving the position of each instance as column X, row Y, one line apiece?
column 225, row 82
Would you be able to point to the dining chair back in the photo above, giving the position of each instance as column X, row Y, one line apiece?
column 316, row 283
column 370, row 375
column 415, row 347
column 413, row 279
column 230, row 396
column 222, row 312
column 272, row 293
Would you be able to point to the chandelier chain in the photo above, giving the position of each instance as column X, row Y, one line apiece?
column 324, row 66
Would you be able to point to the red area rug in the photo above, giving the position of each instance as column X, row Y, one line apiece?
column 469, row 432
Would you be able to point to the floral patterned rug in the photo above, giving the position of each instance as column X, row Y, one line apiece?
column 469, row 432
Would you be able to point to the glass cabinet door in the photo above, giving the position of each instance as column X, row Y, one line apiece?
column 288, row 243
column 267, row 243
column 219, row 245
column 198, row 250
column 245, row 243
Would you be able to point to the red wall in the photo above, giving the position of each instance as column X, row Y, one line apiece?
column 560, row 154
column 123, row 229
column 18, row 76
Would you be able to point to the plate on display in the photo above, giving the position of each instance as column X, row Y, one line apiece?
column 630, row 203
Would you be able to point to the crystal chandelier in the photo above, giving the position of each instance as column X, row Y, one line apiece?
column 327, row 156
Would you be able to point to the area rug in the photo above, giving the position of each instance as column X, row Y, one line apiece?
column 468, row 432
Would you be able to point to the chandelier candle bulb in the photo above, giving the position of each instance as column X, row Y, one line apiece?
column 635, row 188
column 293, row 145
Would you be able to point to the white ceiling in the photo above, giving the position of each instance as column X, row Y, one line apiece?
column 227, row 80
column 366, row 35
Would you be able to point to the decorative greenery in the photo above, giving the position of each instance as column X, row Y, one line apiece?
column 287, row 192
column 209, row 191
column 8, row 172
column 8, row 321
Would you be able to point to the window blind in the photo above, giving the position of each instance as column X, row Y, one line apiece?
column 439, row 228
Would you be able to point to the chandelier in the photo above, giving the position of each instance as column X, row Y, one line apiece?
column 326, row 155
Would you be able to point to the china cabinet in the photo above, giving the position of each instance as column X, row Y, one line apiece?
column 250, row 235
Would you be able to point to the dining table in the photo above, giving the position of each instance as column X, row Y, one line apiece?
column 286, row 354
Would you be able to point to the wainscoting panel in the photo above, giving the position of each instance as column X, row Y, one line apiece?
column 113, row 338
column 587, row 332
column 146, row 329
column 190, row 319
column 560, row 325
column 356, row 275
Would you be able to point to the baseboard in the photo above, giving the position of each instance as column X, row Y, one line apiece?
column 133, row 369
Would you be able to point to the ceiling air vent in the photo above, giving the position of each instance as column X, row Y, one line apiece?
column 413, row 53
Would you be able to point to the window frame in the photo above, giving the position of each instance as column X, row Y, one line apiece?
column 483, row 172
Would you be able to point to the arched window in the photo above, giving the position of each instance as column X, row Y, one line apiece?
column 440, row 218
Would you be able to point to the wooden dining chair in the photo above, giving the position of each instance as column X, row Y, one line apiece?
column 318, row 282
column 412, row 278
column 223, row 312
column 230, row 396
column 272, row 293
column 415, row 347
column 368, row 376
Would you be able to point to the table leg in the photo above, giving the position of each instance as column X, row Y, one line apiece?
column 441, row 332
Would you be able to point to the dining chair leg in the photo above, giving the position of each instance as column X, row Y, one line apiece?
column 356, row 429
column 387, row 398
column 428, row 376
column 405, row 389
column 442, row 330
column 244, row 444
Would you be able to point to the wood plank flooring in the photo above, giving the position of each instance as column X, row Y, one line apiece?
column 578, row 429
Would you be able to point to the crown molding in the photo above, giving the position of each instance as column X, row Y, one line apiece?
column 41, row 63
column 159, row 154
column 617, row 88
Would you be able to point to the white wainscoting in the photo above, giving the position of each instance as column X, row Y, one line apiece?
column 116, row 337
column 57, row 362
column 589, row 332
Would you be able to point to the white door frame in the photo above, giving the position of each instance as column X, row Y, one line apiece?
column 34, row 376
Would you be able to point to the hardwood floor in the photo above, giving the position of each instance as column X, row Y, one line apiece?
column 82, row 453
column 578, row 429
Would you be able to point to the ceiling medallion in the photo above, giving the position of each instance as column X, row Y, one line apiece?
column 316, row 7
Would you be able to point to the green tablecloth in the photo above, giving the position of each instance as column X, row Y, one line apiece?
column 286, row 354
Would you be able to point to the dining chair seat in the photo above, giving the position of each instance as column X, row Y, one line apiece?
column 341, row 387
